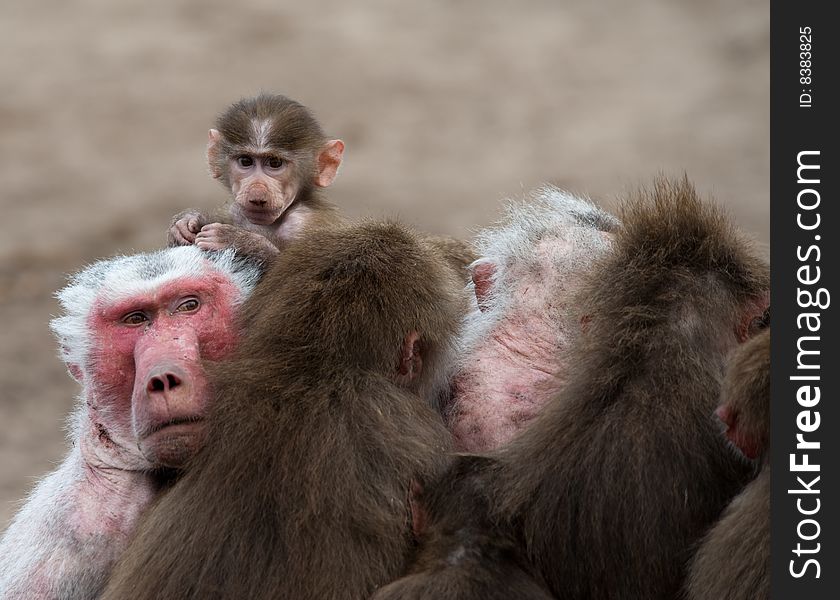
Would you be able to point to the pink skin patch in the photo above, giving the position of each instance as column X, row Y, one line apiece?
column 499, row 394
column 735, row 434
column 514, row 370
column 125, row 402
column 520, row 364
column 293, row 221
column 110, row 502
column 482, row 277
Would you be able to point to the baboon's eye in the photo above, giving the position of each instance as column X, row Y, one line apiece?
column 135, row 318
column 188, row 305
column 245, row 161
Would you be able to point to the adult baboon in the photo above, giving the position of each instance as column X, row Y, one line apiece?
column 133, row 333
column 523, row 319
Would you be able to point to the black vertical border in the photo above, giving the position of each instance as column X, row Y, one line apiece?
column 795, row 129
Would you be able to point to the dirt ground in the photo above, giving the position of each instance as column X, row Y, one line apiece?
column 447, row 108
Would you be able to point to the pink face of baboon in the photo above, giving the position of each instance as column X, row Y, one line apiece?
column 524, row 315
column 149, row 361
column 152, row 320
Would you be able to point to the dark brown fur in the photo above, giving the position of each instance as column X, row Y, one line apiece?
column 303, row 488
column 463, row 553
column 616, row 481
column 734, row 560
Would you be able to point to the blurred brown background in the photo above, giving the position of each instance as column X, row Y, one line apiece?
column 447, row 107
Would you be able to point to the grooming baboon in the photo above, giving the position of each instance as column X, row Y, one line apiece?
column 523, row 321
column 133, row 334
column 613, row 484
column 272, row 155
column 321, row 423
column 733, row 561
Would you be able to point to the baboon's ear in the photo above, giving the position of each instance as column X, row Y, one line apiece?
column 329, row 160
column 213, row 142
column 410, row 362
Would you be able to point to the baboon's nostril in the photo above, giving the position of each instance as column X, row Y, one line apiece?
column 163, row 382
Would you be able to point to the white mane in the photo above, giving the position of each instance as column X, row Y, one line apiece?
column 123, row 276
column 513, row 245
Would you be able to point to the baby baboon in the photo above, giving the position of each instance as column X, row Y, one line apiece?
column 272, row 155
column 321, row 423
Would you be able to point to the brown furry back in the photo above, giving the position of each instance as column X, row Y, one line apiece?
column 302, row 490
column 620, row 476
